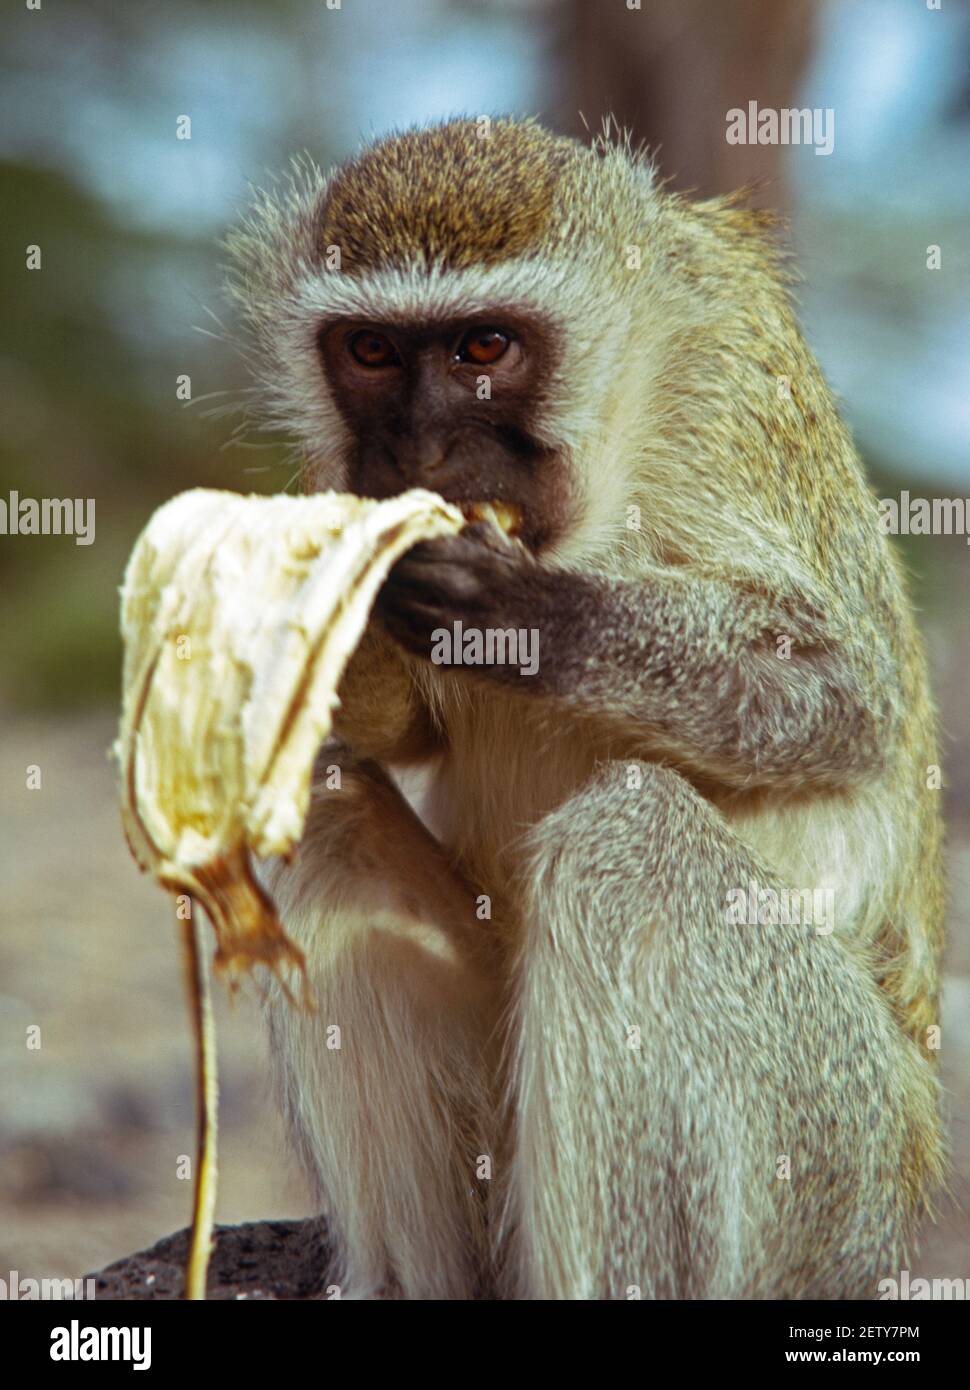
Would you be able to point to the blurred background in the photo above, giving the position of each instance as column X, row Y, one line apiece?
column 129, row 217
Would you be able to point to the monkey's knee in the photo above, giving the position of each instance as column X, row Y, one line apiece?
column 618, row 856
column 621, row 822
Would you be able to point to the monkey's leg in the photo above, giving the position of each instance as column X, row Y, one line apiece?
column 669, row 1067
column 385, row 1084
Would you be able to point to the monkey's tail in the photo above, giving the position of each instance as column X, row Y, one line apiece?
column 206, row 1103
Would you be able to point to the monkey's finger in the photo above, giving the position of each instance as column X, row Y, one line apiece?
column 464, row 550
column 429, row 599
column 413, row 627
column 444, row 583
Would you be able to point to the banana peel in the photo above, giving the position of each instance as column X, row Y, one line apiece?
column 239, row 615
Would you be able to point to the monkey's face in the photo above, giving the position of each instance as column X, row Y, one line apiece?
column 452, row 310
column 449, row 405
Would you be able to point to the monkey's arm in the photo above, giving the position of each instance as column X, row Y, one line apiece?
column 381, row 717
column 674, row 664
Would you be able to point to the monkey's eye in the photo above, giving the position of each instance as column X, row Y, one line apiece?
column 483, row 345
column 372, row 349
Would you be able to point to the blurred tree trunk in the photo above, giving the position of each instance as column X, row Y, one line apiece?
column 671, row 71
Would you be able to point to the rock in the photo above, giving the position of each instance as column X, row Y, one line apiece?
column 257, row 1260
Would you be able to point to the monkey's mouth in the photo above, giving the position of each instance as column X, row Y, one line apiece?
column 505, row 515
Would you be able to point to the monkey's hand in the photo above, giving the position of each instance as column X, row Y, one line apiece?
column 476, row 601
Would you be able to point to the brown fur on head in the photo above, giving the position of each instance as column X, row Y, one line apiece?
column 457, row 195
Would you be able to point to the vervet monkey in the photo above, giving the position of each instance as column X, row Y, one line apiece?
column 548, row 1060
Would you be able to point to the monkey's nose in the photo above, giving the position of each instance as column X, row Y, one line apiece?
column 422, row 466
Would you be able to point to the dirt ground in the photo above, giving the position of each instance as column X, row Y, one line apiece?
column 94, row 1121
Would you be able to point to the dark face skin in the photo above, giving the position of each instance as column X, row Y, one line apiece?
column 410, row 395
